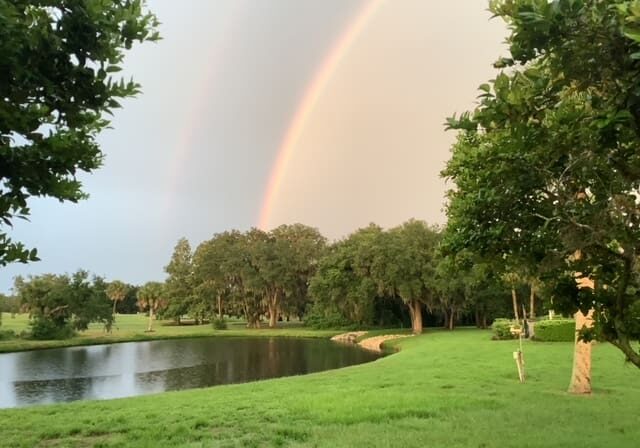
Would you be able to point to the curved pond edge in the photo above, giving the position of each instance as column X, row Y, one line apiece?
column 24, row 345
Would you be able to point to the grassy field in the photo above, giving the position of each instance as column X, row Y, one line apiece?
column 131, row 327
column 454, row 389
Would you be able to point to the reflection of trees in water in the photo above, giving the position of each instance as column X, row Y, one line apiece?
column 141, row 368
column 52, row 391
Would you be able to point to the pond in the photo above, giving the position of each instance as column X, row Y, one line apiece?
column 138, row 368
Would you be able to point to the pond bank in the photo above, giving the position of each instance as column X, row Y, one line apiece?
column 373, row 343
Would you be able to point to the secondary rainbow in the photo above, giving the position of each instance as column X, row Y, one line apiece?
column 308, row 102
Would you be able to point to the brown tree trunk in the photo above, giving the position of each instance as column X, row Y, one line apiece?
column 416, row 316
column 514, row 299
column 477, row 316
column 114, row 309
column 452, row 315
column 532, row 304
column 484, row 320
column 273, row 310
column 581, row 374
column 220, row 307
column 150, row 326
column 445, row 320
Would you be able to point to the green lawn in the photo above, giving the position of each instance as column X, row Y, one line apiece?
column 131, row 327
column 454, row 389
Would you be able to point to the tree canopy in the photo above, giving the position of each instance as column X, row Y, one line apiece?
column 546, row 168
column 57, row 66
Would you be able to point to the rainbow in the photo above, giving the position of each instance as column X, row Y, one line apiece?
column 192, row 116
column 307, row 104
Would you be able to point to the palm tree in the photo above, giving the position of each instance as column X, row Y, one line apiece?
column 117, row 291
column 151, row 296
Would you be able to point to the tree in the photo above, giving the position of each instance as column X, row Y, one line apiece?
column 547, row 164
column 116, row 291
column 297, row 249
column 407, row 266
column 152, row 297
column 58, row 305
column 179, row 283
column 57, row 62
column 216, row 268
column 345, row 280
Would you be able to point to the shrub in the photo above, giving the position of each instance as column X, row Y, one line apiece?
column 319, row 319
column 219, row 324
column 557, row 330
column 7, row 334
column 43, row 329
column 502, row 328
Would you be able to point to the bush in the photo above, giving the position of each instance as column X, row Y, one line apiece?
column 44, row 329
column 7, row 334
column 219, row 324
column 320, row 319
column 502, row 329
column 557, row 330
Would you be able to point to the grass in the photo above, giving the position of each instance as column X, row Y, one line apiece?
column 131, row 327
column 454, row 389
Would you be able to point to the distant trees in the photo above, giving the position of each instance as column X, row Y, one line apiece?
column 257, row 273
column 57, row 67
column 371, row 264
column 59, row 305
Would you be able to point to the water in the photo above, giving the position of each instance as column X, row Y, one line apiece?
column 138, row 368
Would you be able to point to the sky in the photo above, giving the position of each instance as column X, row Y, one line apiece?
column 260, row 113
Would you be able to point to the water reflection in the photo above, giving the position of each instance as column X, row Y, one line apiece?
column 137, row 368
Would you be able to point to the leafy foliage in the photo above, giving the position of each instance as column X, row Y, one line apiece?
column 179, row 283
column 557, row 330
column 256, row 272
column 501, row 328
column 57, row 66
column 59, row 305
column 547, row 167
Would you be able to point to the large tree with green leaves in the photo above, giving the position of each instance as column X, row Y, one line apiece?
column 347, row 278
column 547, row 166
column 61, row 304
column 217, row 268
column 297, row 250
column 407, row 266
column 57, row 66
column 179, row 285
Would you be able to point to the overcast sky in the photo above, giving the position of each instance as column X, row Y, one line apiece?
column 193, row 154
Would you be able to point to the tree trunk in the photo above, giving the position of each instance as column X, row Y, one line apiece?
column 452, row 315
column 150, row 326
column 220, row 307
column 532, row 303
column 445, row 320
column 484, row 320
column 581, row 374
column 514, row 299
column 114, row 309
column 416, row 316
column 477, row 316
column 273, row 310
